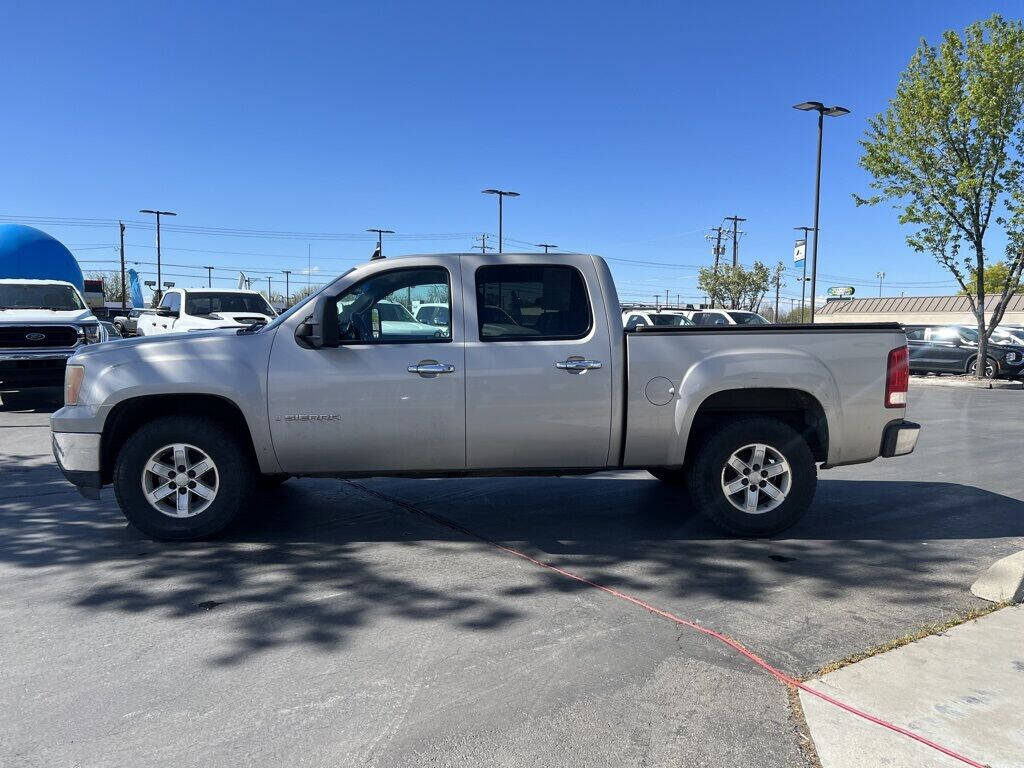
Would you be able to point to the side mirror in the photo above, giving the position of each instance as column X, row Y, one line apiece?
column 166, row 312
column 957, row 341
column 321, row 330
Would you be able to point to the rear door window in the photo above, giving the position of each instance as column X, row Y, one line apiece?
column 520, row 302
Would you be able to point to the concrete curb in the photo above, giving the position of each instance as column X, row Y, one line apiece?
column 1003, row 582
column 964, row 382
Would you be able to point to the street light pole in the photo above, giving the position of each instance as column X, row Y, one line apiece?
column 545, row 246
column 803, row 280
column 379, row 254
column 209, row 277
column 158, row 214
column 287, row 291
column 881, row 277
column 502, row 194
column 822, row 110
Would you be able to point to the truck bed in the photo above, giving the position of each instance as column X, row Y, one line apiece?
column 671, row 372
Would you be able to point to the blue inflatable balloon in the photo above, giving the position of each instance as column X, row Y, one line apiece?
column 27, row 252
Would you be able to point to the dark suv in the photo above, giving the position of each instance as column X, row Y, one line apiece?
column 954, row 349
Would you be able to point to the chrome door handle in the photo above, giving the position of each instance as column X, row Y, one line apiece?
column 578, row 366
column 431, row 369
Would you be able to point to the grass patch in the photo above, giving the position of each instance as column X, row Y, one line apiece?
column 918, row 634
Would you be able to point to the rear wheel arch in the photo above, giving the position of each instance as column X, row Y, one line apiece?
column 128, row 416
column 795, row 407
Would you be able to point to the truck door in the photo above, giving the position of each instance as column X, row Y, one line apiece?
column 538, row 364
column 391, row 397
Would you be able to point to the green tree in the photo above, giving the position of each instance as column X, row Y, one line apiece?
column 947, row 153
column 996, row 278
column 736, row 287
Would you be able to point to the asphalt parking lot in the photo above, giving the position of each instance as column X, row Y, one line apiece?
column 336, row 627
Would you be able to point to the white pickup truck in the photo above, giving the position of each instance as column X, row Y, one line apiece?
column 531, row 373
column 198, row 309
column 42, row 323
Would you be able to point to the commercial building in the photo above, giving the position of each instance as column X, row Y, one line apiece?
column 914, row 310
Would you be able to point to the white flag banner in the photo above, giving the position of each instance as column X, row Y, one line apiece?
column 799, row 251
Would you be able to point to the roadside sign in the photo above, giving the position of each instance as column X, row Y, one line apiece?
column 841, row 290
column 799, row 251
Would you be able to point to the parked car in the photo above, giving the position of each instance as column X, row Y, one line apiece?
column 726, row 317
column 185, row 427
column 1009, row 334
column 196, row 309
column 954, row 349
column 631, row 318
column 127, row 323
column 42, row 323
column 433, row 314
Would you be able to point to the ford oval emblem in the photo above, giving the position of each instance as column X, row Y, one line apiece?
column 35, row 336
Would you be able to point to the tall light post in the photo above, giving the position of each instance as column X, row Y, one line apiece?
column 881, row 277
column 158, row 214
column 822, row 110
column 545, row 246
column 209, row 276
column 379, row 253
column 502, row 194
column 287, row 292
column 803, row 280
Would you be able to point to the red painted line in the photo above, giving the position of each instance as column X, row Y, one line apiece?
column 778, row 674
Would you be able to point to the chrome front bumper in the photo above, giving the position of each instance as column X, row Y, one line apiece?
column 900, row 438
column 78, row 456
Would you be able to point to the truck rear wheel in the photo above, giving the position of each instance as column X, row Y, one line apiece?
column 753, row 477
column 182, row 477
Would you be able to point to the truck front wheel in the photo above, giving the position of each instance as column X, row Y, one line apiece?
column 753, row 477
column 182, row 478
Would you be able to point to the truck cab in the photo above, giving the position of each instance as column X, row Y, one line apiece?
column 195, row 309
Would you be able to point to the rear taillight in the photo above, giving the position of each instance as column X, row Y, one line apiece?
column 897, row 378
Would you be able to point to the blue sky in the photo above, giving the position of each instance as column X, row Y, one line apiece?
column 629, row 128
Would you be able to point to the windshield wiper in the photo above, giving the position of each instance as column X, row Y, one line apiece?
column 252, row 327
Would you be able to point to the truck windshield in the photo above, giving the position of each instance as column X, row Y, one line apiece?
column 209, row 303
column 39, row 296
column 748, row 318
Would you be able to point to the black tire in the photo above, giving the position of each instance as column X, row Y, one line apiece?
column 231, row 458
column 669, row 476
column 989, row 362
column 705, row 476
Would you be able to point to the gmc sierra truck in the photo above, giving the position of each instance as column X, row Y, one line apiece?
column 532, row 373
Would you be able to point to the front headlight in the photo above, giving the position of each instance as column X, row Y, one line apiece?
column 73, row 377
column 91, row 332
column 1012, row 357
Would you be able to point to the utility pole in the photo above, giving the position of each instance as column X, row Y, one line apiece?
column 483, row 242
column 209, row 277
column 735, row 239
column 718, row 244
column 309, row 267
column 287, row 292
column 778, row 287
column 545, row 246
column 666, row 297
column 268, row 291
column 124, row 288
column 158, row 214
column 657, row 299
column 803, row 280
column 881, row 277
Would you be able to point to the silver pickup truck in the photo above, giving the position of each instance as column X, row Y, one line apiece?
column 529, row 372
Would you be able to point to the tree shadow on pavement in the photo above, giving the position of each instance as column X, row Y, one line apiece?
column 318, row 558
